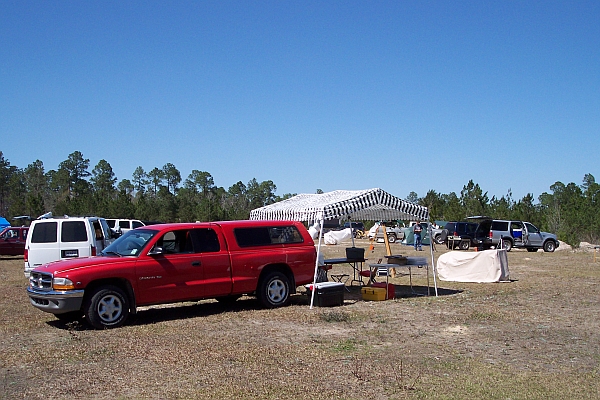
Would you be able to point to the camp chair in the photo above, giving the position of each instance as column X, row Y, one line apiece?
column 368, row 273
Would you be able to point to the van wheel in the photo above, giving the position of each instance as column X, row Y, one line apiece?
column 392, row 237
column 506, row 244
column 274, row 290
column 107, row 307
column 549, row 246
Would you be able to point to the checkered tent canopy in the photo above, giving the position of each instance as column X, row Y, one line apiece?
column 362, row 205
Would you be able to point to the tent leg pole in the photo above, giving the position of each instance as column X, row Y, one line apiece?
column 432, row 258
column 312, row 295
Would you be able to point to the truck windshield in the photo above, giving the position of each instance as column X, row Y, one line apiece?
column 130, row 244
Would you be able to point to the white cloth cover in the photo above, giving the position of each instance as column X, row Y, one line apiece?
column 482, row 266
column 314, row 230
column 336, row 237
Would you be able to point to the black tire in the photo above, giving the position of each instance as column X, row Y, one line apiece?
column 549, row 246
column 463, row 245
column 438, row 239
column 107, row 307
column 392, row 237
column 506, row 244
column 532, row 249
column 274, row 290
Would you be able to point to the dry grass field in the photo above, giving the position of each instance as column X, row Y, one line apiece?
column 536, row 337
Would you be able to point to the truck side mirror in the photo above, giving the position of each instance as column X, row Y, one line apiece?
column 156, row 250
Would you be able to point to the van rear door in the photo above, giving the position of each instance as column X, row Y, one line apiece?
column 42, row 244
column 75, row 239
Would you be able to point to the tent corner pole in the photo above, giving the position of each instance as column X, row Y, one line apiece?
column 314, row 287
column 430, row 232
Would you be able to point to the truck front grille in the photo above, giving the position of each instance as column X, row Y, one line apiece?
column 40, row 281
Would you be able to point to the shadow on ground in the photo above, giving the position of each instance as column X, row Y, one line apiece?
column 179, row 311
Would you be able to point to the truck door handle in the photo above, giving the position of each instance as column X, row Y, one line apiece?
column 195, row 263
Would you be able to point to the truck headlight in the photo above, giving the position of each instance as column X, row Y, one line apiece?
column 62, row 284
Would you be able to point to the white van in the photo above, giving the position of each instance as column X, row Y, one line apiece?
column 53, row 239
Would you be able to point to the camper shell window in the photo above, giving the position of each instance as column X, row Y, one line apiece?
column 264, row 236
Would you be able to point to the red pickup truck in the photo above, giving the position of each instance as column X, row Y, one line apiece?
column 171, row 263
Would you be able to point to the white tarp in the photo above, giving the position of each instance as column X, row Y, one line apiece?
column 336, row 237
column 481, row 266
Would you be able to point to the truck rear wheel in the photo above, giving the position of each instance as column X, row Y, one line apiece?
column 506, row 244
column 463, row 245
column 392, row 237
column 107, row 307
column 274, row 290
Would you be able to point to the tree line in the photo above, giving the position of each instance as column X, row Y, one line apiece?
column 571, row 211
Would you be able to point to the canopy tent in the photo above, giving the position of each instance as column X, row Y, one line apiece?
column 3, row 223
column 364, row 205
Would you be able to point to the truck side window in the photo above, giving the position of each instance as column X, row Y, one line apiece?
column 176, row 242
column 206, row 241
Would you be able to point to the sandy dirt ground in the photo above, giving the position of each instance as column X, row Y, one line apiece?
column 536, row 336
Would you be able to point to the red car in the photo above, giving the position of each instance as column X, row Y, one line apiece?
column 12, row 241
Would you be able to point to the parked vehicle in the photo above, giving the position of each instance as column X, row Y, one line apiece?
column 52, row 239
column 171, row 263
column 459, row 234
column 393, row 229
column 514, row 233
column 358, row 228
column 120, row 226
column 12, row 240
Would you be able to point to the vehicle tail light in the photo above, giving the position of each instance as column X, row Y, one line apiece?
column 491, row 235
column 26, row 255
column 455, row 233
column 93, row 252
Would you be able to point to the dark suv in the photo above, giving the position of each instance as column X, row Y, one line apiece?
column 460, row 234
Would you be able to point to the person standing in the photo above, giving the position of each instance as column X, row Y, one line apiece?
column 417, row 231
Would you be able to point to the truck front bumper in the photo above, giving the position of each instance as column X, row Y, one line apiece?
column 56, row 302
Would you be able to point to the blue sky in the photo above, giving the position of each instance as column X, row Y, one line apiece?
column 401, row 95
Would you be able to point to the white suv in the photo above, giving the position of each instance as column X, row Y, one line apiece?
column 123, row 225
column 51, row 239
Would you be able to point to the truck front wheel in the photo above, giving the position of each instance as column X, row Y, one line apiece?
column 549, row 246
column 274, row 290
column 107, row 307
column 392, row 237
